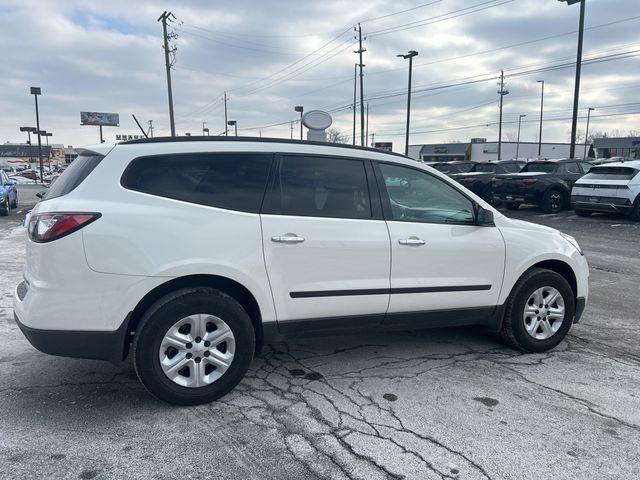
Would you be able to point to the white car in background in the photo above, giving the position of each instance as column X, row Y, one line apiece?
column 612, row 187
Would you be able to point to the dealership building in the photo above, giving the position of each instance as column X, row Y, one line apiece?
column 23, row 155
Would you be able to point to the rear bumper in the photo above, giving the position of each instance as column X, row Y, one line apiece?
column 602, row 204
column 98, row 345
column 517, row 197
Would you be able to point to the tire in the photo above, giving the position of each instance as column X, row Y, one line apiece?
column 635, row 212
column 15, row 202
column 152, row 347
column 511, row 205
column 520, row 315
column 487, row 196
column 582, row 213
column 5, row 208
column 553, row 201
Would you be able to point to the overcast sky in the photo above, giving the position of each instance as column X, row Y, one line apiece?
column 272, row 55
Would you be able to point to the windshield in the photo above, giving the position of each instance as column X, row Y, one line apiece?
column 546, row 167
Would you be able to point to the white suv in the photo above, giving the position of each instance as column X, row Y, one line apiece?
column 612, row 187
column 191, row 253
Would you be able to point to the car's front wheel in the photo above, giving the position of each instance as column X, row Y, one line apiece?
column 193, row 346
column 5, row 207
column 539, row 311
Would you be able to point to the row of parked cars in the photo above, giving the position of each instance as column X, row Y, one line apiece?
column 553, row 185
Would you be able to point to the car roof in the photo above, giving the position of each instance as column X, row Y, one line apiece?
column 630, row 163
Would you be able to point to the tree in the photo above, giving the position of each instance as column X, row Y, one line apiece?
column 336, row 136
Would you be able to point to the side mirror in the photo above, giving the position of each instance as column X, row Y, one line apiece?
column 9, row 183
column 485, row 217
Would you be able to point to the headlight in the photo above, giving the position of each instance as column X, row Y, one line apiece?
column 572, row 241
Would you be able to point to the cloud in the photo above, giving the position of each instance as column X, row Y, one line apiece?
column 271, row 56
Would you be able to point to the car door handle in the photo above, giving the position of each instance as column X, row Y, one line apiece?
column 411, row 241
column 287, row 238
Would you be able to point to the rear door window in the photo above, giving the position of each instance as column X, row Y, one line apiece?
column 73, row 175
column 545, row 167
column 234, row 181
column 314, row 186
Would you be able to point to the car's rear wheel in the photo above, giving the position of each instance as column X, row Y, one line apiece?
column 553, row 201
column 193, row 346
column 15, row 202
column 5, row 207
column 635, row 212
column 582, row 213
column 539, row 311
column 511, row 205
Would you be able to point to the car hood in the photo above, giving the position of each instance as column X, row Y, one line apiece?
column 522, row 225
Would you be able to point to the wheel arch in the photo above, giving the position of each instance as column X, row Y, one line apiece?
column 231, row 287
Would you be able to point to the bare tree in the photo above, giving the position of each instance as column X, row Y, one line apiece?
column 336, row 136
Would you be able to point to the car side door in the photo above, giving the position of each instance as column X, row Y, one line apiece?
column 569, row 172
column 442, row 259
column 326, row 245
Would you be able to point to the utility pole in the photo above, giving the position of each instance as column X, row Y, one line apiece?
column 151, row 128
column 355, row 83
column 518, row 144
column 367, row 128
column 576, row 91
column 291, row 129
column 502, row 93
column 226, row 130
column 373, row 135
column 409, row 55
column 361, row 65
column 163, row 18
column 541, row 107
column 203, row 128
column 586, row 135
column 35, row 91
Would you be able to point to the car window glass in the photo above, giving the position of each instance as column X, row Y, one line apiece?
column 546, row 167
column 511, row 167
column 320, row 187
column 235, row 181
column 419, row 197
column 73, row 175
column 486, row 167
column 586, row 166
column 569, row 168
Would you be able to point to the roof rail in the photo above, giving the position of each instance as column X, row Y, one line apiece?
column 200, row 138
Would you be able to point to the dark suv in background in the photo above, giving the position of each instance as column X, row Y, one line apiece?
column 479, row 178
column 546, row 183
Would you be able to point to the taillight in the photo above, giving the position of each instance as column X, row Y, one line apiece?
column 47, row 227
column 530, row 181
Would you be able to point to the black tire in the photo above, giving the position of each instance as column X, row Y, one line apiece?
column 582, row 213
column 635, row 212
column 164, row 314
column 4, row 208
column 487, row 196
column 513, row 326
column 511, row 205
column 15, row 203
column 553, row 201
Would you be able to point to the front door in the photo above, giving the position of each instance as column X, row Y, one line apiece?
column 441, row 259
column 326, row 254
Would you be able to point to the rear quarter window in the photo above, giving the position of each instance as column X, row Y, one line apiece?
column 234, row 181
column 73, row 175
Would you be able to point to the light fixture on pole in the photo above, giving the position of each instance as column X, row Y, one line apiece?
column 576, row 91
column 35, row 91
column 233, row 123
column 409, row 55
column 586, row 135
column 300, row 108
column 541, row 108
column 518, row 144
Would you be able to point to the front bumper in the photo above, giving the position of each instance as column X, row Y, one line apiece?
column 97, row 345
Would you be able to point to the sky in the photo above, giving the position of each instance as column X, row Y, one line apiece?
column 271, row 56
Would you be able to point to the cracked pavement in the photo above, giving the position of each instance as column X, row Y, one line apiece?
column 443, row 403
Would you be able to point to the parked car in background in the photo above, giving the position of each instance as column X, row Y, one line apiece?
column 275, row 238
column 454, row 167
column 479, row 178
column 8, row 194
column 545, row 183
column 612, row 187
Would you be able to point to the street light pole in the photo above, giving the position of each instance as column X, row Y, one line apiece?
column 586, row 135
column 518, row 144
column 541, row 108
column 29, row 130
column 35, row 91
column 409, row 55
column 576, row 92
column 300, row 108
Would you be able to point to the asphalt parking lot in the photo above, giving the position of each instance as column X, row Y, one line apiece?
column 445, row 403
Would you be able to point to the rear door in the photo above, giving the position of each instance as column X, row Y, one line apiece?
column 442, row 260
column 326, row 245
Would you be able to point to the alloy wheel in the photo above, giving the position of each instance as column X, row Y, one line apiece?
column 543, row 313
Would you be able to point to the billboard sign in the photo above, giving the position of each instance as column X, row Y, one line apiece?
column 386, row 146
column 100, row 118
